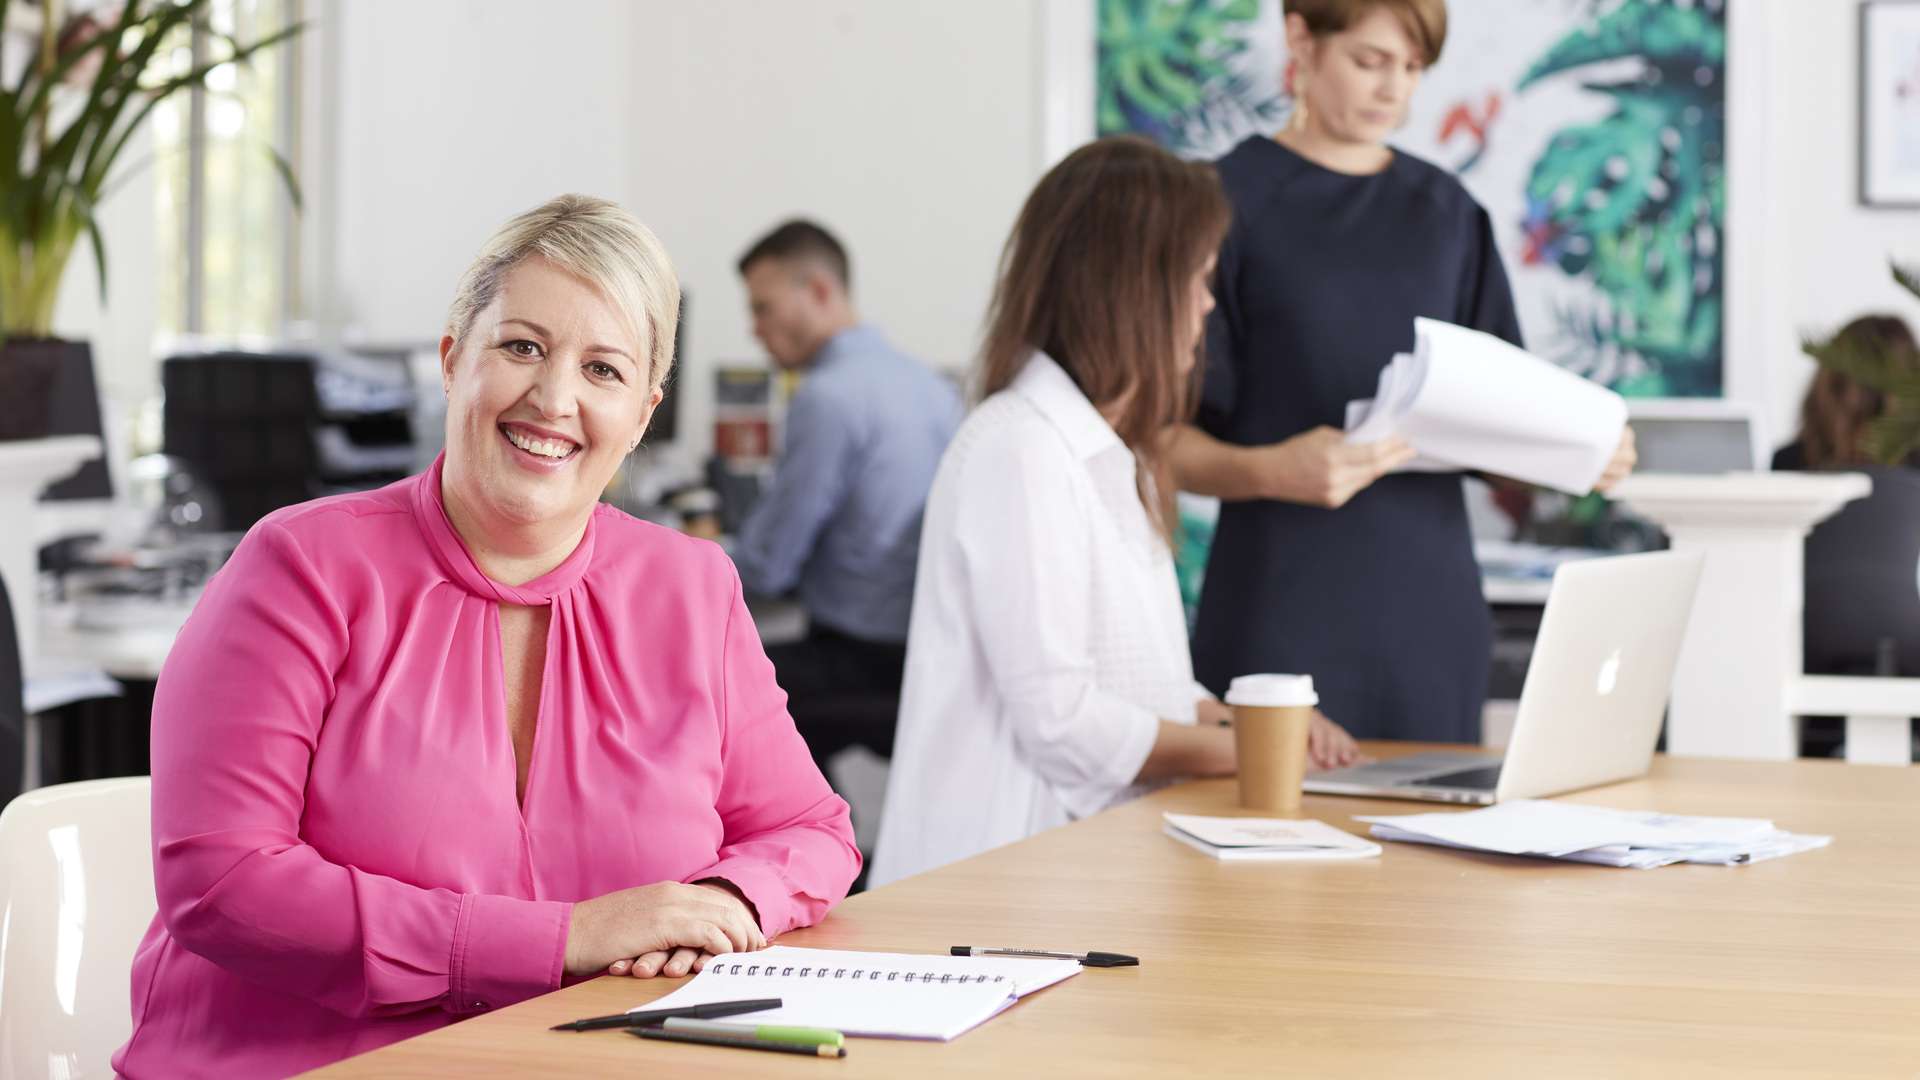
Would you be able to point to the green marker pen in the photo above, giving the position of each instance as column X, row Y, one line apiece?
column 798, row 1036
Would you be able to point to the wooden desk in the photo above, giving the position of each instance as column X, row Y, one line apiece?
column 1422, row 962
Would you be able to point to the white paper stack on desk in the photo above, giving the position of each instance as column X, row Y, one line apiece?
column 1266, row 838
column 1591, row 834
column 1468, row 400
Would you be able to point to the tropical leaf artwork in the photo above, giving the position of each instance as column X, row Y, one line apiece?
column 1634, row 202
column 1176, row 72
column 1591, row 130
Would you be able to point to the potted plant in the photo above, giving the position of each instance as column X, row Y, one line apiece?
column 85, row 84
column 1894, row 436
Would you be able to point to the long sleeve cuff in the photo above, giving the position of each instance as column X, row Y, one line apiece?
column 1137, row 731
column 506, row 950
column 771, row 895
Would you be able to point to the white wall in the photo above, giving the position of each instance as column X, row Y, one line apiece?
column 1803, row 254
column 910, row 129
column 450, row 117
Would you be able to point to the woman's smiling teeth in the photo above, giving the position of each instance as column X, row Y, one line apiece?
column 549, row 448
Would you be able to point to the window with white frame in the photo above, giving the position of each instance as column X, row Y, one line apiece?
column 223, row 157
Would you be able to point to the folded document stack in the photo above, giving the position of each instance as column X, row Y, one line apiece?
column 1592, row 834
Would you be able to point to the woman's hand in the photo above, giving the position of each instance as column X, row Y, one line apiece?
column 1321, row 468
column 662, row 921
column 1622, row 463
column 1328, row 744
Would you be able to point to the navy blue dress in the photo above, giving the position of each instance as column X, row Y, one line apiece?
column 1319, row 281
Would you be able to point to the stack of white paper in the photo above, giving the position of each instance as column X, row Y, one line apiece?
column 1468, row 400
column 1593, row 834
column 1266, row 838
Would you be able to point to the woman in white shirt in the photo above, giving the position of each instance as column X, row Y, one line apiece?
column 1047, row 667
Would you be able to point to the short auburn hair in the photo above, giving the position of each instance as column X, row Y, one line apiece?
column 1425, row 20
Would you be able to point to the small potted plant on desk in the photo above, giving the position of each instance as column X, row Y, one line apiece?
column 73, row 89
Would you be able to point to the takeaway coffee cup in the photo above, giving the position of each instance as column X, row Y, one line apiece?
column 1271, row 714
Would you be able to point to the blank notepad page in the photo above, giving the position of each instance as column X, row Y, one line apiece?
column 886, row 995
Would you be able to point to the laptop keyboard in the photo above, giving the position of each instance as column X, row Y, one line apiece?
column 1478, row 778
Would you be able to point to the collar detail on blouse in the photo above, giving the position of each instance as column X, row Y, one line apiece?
column 430, row 510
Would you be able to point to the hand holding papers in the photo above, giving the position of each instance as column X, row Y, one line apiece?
column 1592, row 834
column 1467, row 400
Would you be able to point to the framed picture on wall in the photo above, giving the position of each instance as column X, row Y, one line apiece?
column 1890, row 103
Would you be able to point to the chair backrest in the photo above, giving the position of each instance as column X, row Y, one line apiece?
column 76, row 895
column 13, row 709
column 1863, row 579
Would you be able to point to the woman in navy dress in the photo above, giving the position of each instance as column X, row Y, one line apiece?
column 1323, row 562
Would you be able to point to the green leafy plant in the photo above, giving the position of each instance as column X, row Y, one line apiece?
column 1894, row 436
column 1165, row 68
column 64, row 123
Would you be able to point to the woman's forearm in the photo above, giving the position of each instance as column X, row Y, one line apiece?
column 1205, row 465
column 1189, row 750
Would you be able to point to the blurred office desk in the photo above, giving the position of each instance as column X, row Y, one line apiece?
column 90, row 687
column 27, row 467
column 779, row 620
column 1516, row 574
column 1423, row 962
column 132, row 644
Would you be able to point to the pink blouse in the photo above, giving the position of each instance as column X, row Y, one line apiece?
column 339, row 855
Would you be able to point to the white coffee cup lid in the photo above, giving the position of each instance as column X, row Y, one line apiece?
column 1272, row 691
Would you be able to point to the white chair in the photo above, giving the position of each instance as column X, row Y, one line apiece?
column 76, row 894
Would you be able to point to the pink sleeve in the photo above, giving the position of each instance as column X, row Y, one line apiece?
column 236, row 714
column 789, row 840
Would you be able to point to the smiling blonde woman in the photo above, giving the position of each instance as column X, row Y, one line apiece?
column 430, row 750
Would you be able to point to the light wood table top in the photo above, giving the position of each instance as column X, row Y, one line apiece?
column 1425, row 961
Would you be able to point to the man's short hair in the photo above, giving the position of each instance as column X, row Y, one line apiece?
column 800, row 239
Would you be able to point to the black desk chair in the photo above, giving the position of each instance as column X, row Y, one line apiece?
column 1863, row 581
column 13, row 709
column 1862, row 614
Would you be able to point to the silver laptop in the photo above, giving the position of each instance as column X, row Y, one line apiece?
column 1595, row 693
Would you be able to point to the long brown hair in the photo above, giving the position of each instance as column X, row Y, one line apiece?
column 1097, row 274
column 1835, row 414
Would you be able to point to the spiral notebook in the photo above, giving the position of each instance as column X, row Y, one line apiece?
column 882, row 995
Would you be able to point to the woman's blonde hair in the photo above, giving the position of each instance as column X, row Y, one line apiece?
column 595, row 240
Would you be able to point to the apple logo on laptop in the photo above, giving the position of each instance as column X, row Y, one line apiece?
column 1609, row 674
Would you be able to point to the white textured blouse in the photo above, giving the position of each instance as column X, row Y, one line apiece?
column 1047, row 639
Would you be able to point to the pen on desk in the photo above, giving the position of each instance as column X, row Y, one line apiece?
column 700, row 1039
column 1091, row 959
column 799, row 1036
column 654, row 1016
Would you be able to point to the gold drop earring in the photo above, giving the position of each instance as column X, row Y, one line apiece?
column 1297, row 119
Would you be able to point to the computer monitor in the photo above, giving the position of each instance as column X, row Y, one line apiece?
column 1699, row 437
column 74, row 409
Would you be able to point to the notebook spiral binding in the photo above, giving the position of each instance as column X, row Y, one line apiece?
column 903, row 977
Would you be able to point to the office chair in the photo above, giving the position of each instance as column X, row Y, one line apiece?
column 13, row 710
column 1862, row 614
column 76, row 896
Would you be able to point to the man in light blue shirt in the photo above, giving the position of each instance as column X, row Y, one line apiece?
column 840, row 521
